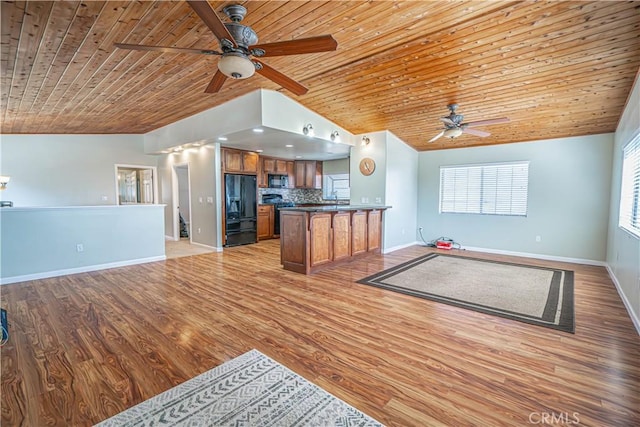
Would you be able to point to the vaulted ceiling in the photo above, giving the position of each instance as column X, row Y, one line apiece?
column 555, row 69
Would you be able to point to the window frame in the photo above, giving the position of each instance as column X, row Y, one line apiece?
column 634, row 146
column 482, row 188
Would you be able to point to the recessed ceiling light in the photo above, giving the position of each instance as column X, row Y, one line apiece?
column 289, row 146
column 259, row 151
column 222, row 138
column 298, row 157
column 258, row 130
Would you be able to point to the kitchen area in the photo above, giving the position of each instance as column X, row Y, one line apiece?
column 261, row 191
column 270, row 184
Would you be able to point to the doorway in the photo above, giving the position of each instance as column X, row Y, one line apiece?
column 182, row 217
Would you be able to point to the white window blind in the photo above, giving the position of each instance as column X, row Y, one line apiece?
column 336, row 186
column 630, row 191
column 493, row 189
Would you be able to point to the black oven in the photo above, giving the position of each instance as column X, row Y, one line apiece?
column 277, row 202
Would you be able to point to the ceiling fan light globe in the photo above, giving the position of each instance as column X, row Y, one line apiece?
column 452, row 133
column 236, row 66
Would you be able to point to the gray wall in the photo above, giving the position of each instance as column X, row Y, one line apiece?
column 401, row 194
column 366, row 189
column 623, row 250
column 204, row 192
column 42, row 242
column 569, row 192
column 67, row 170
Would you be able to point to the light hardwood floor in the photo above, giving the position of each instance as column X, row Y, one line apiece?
column 87, row 346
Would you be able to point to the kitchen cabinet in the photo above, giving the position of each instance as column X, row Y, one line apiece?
column 274, row 166
column 291, row 173
column 359, row 242
column 320, row 235
column 341, row 235
column 374, row 230
column 265, row 222
column 308, row 174
column 312, row 238
column 239, row 161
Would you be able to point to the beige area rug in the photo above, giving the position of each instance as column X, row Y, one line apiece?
column 537, row 295
column 251, row 390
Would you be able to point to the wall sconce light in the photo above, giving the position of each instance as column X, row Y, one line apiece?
column 365, row 141
column 308, row 130
column 4, row 180
column 335, row 136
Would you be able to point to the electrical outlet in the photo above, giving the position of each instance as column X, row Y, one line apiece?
column 199, row 230
column 200, row 199
column 379, row 200
column 210, row 200
column 79, row 247
column 105, row 198
column 538, row 239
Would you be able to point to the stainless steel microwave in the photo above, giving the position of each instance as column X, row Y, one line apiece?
column 278, row 181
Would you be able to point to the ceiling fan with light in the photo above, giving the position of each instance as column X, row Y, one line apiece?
column 453, row 126
column 238, row 45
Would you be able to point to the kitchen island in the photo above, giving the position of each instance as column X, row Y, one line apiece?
column 316, row 237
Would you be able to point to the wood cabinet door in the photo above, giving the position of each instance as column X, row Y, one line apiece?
column 309, row 174
column 300, row 174
column 374, row 231
column 232, row 160
column 320, row 239
column 292, row 174
column 281, row 167
column 249, row 161
column 341, row 235
column 269, row 165
column 265, row 222
column 358, row 232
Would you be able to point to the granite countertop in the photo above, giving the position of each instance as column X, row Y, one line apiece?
column 331, row 208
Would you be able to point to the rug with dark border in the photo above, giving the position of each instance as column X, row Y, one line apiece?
column 558, row 310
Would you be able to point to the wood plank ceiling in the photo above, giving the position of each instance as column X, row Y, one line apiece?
column 556, row 68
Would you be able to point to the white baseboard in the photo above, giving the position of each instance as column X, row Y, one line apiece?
column 625, row 301
column 213, row 248
column 538, row 256
column 170, row 238
column 396, row 248
column 56, row 273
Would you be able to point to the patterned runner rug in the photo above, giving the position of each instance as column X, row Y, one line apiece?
column 537, row 295
column 250, row 390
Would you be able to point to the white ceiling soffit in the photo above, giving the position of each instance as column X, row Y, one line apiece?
column 273, row 142
column 282, row 120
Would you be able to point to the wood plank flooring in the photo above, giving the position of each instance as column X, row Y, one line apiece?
column 87, row 346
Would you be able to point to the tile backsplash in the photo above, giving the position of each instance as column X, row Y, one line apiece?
column 295, row 195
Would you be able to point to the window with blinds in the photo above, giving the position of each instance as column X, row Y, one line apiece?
column 491, row 189
column 630, row 191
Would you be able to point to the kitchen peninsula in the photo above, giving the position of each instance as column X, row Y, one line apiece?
column 315, row 237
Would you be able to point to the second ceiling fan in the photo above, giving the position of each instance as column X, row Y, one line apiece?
column 453, row 126
column 239, row 48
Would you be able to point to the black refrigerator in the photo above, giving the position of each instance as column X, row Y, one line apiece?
column 240, row 209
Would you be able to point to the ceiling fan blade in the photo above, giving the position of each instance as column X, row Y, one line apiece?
column 209, row 17
column 476, row 132
column 166, row 49
column 294, row 47
column 284, row 81
column 216, row 82
column 487, row 122
column 448, row 121
column 437, row 136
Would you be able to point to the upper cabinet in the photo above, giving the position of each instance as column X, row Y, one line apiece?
column 239, row 161
column 308, row 174
column 273, row 166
